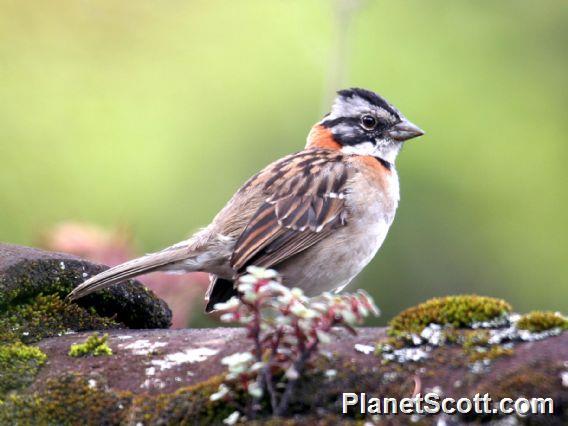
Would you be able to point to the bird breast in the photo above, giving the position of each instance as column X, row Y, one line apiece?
column 333, row 262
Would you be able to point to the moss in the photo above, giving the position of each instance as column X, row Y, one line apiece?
column 69, row 400
column 457, row 311
column 76, row 399
column 538, row 321
column 489, row 354
column 94, row 345
column 189, row 405
column 476, row 346
column 389, row 343
column 473, row 338
column 19, row 364
column 41, row 316
column 47, row 316
column 451, row 335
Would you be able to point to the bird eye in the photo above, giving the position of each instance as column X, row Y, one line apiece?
column 368, row 122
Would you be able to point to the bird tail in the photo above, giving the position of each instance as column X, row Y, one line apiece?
column 151, row 262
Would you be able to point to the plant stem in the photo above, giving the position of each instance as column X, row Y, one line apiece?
column 299, row 367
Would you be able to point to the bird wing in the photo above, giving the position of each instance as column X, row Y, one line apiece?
column 304, row 202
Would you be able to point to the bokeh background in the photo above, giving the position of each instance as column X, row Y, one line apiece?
column 142, row 118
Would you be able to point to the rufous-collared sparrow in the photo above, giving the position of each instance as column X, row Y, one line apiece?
column 318, row 216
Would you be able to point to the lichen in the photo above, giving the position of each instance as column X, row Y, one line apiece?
column 457, row 311
column 538, row 321
column 93, row 346
column 19, row 365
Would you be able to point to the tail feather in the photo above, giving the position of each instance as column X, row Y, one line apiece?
column 149, row 263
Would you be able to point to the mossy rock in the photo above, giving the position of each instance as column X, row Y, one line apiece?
column 33, row 284
column 26, row 273
column 456, row 311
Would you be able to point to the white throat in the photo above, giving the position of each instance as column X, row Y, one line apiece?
column 387, row 151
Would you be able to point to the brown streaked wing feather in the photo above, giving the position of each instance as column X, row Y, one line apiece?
column 297, row 213
column 256, row 235
column 298, row 243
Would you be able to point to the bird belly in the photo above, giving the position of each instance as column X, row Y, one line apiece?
column 333, row 262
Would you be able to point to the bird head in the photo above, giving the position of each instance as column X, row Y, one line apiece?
column 363, row 123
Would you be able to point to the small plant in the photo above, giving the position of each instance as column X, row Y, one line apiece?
column 94, row 345
column 286, row 329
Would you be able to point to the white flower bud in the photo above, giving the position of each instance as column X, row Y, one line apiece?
column 221, row 393
column 232, row 419
column 237, row 358
column 292, row 373
column 233, row 302
column 255, row 390
column 323, row 337
column 348, row 316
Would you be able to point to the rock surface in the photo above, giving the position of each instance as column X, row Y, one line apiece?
column 163, row 361
column 26, row 272
column 167, row 376
column 164, row 376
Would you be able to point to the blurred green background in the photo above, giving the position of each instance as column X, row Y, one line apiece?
column 150, row 114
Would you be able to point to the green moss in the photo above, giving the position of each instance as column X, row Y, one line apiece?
column 47, row 316
column 451, row 335
column 69, row 400
column 388, row 344
column 73, row 399
column 457, row 311
column 538, row 321
column 36, row 318
column 489, row 354
column 19, row 364
column 473, row 338
column 94, row 345
column 189, row 405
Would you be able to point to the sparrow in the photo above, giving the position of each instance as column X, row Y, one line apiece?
column 317, row 217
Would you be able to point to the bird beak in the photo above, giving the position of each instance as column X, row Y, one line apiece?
column 404, row 131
